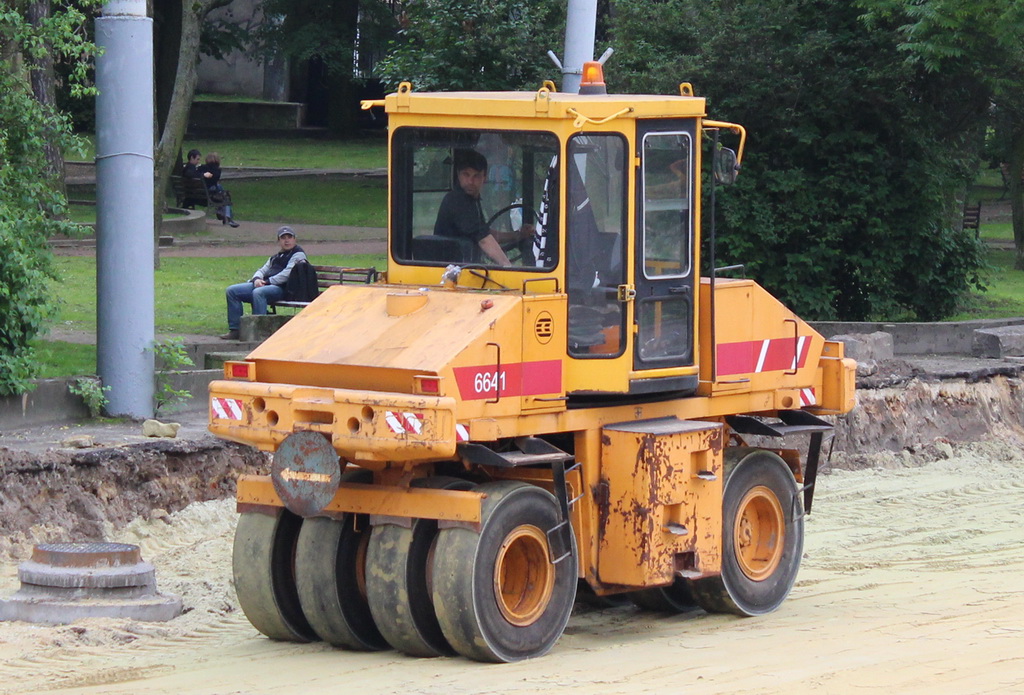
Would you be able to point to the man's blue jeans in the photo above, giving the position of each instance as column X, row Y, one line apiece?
column 259, row 297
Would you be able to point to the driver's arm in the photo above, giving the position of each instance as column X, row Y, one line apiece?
column 525, row 232
column 490, row 246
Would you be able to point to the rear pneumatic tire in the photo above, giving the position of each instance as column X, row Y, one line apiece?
column 497, row 595
column 762, row 538
column 264, row 574
column 398, row 580
column 330, row 558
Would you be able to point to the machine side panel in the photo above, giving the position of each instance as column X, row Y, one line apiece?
column 661, row 514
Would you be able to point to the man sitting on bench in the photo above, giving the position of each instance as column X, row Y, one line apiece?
column 193, row 171
column 267, row 284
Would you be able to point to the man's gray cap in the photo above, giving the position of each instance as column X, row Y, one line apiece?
column 285, row 230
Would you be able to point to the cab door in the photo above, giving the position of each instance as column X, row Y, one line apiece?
column 665, row 253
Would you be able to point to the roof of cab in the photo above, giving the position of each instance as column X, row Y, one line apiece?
column 545, row 104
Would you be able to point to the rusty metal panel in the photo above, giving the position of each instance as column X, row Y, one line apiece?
column 256, row 491
column 662, row 482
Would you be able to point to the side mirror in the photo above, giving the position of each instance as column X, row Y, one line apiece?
column 725, row 167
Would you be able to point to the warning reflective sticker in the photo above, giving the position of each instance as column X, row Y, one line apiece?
column 404, row 423
column 226, row 408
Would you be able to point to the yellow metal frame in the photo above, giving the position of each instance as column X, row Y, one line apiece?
column 734, row 127
column 357, row 498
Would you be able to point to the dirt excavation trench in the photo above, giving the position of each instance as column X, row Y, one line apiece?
column 912, row 578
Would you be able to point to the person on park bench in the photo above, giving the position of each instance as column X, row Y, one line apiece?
column 267, row 284
column 193, row 170
column 218, row 195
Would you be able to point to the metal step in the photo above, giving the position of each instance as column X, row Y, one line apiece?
column 532, row 451
column 790, row 422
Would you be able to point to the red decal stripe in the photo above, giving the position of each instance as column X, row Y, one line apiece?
column 737, row 358
column 742, row 357
column 515, row 379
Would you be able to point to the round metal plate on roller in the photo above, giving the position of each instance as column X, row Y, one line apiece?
column 306, row 472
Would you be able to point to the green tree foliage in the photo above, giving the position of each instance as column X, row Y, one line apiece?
column 475, row 44
column 980, row 39
column 31, row 204
column 848, row 205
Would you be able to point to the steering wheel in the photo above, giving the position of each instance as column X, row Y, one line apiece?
column 475, row 269
column 524, row 246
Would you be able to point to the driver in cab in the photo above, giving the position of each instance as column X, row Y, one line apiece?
column 461, row 215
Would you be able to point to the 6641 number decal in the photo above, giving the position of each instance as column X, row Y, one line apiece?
column 489, row 382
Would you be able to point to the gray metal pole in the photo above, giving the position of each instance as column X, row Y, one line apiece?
column 580, row 27
column 124, row 210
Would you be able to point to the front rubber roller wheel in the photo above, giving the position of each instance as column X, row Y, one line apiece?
column 762, row 538
column 330, row 557
column 398, row 581
column 263, row 565
column 497, row 595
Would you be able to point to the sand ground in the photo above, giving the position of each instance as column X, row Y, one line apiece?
column 912, row 582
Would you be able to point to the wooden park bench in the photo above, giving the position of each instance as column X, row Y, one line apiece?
column 327, row 275
column 190, row 192
column 972, row 218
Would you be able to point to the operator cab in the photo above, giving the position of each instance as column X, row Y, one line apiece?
column 602, row 213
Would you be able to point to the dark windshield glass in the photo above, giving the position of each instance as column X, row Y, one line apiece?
column 474, row 197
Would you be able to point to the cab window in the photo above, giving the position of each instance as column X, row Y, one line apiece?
column 595, row 237
column 474, row 197
column 666, row 210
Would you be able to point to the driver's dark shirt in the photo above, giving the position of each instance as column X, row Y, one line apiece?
column 460, row 215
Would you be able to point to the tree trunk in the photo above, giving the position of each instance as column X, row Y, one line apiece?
column 193, row 13
column 1016, row 190
column 44, row 88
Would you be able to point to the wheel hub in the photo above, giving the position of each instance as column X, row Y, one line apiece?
column 524, row 577
column 759, row 533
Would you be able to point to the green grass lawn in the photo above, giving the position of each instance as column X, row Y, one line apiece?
column 287, row 153
column 86, row 214
column 59, row 359
column 334, row 200
column 997, row 230
column 359, row 202
column 1004, row 297
column 320, row 199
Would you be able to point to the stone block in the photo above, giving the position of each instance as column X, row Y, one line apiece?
column 216, row 360
column 259, row 328
column 155, row 428
column 1004, row 341
column 877, row 346
column 78, row 441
